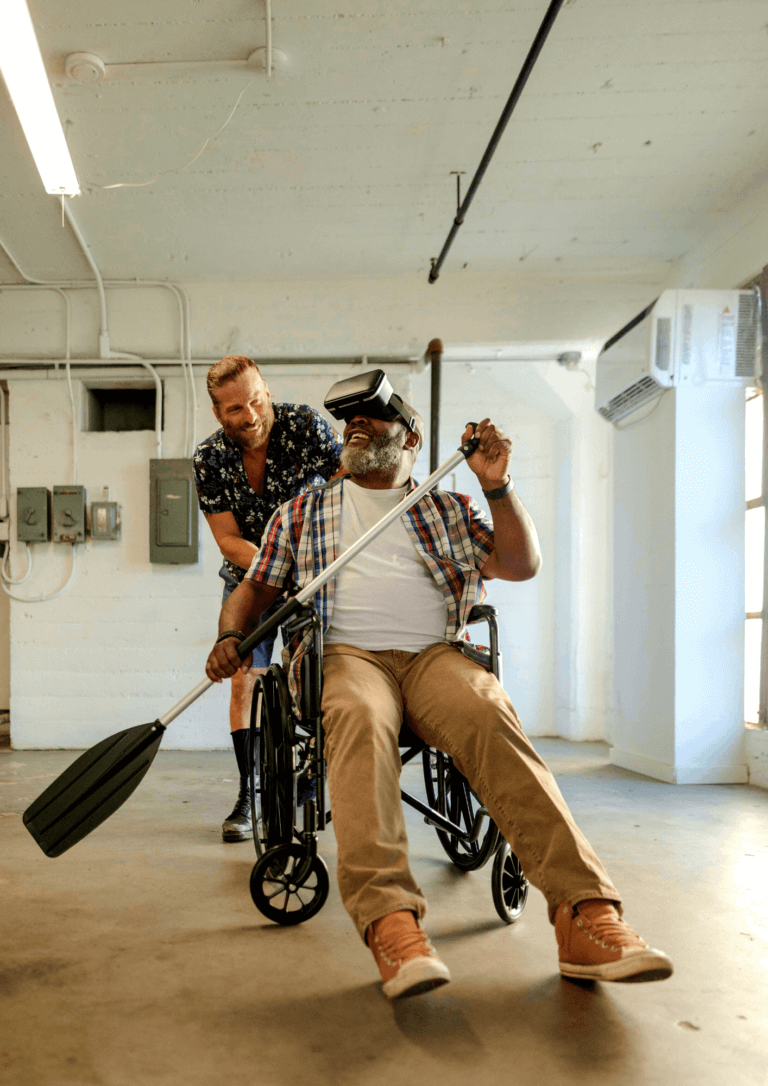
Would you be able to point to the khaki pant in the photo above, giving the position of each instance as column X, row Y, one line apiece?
column 460, row 708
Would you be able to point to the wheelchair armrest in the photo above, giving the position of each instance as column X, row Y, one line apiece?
column 481, row 612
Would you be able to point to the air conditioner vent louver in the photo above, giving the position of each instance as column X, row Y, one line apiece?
column 746, row 335
column 630, row 399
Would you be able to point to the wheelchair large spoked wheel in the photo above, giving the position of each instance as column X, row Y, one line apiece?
column 449, row 793
column 273, row 814
column 509, row 885
column 288, row 886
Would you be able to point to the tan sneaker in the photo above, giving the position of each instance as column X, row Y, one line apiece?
column 596, row 944
column 406, row 959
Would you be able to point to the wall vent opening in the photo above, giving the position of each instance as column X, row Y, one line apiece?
column 119, row 406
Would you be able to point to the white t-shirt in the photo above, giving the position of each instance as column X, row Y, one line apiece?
column 385, row 597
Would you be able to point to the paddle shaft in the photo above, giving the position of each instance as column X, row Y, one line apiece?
column 291, row 606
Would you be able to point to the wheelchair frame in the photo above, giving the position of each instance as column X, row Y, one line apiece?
column 289, row 882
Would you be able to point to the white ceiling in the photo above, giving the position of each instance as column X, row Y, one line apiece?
column 641, row 126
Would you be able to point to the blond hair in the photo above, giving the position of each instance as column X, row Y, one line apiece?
column 229, row 368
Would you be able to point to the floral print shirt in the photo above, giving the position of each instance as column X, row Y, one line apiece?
column 303, row 452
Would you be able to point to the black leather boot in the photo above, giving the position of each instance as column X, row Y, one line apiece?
column 237, row 825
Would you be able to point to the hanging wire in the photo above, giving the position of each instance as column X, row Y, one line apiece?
column 177, row 169
column 38, row 599
column 6, row 576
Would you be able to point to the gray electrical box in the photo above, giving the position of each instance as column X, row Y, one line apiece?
column 173, row 512
column 68, row 514
column 33, row 514
column 105, row 520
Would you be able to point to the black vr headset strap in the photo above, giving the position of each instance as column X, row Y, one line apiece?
column 396, row 404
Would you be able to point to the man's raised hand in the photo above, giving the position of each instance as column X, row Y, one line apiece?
column 490, row 461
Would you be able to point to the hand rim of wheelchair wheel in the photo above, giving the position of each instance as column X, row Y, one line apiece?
column 274, row 814
column 449, row 793
column 509, row 885
column 277, row 896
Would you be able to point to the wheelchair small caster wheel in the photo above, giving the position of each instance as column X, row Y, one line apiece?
column 508, row 885
column 289, row 886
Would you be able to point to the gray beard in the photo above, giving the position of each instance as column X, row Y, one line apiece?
column 382, row 453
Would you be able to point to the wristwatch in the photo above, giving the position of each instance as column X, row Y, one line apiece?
column 500, row 491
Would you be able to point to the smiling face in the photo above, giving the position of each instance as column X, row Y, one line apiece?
column 373, row 445
column 244, row 409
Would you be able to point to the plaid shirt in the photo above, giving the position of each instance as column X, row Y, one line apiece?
column 449, row 531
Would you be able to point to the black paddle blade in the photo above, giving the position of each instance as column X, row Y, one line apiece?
column 92, row 788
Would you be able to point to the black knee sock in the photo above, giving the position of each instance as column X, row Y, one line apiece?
column 244, row 741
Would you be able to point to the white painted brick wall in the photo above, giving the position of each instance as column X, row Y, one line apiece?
column 130, row 638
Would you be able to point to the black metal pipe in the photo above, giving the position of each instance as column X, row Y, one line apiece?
column 435, row 352
column 517, row 90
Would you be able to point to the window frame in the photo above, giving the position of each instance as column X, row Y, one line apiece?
column 761, row 283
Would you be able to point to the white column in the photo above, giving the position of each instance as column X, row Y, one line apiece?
column 679, row 589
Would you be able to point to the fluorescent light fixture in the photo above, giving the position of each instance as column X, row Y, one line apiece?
column 24, row 74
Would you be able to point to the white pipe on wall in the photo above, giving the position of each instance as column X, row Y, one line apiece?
column 103, row 326
column 87, row 284
column 158, row 408
column 67, row 306
column 182, row 301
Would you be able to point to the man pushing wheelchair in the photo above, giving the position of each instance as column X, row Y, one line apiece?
column 392, row 619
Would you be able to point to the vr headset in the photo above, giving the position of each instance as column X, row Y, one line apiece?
column 368, row 394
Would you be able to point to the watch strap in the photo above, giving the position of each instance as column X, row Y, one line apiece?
column 500, row 491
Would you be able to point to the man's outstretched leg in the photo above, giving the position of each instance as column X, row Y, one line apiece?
column 362, row 716
column 457, row 706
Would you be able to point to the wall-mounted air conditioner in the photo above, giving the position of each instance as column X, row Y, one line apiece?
column 687, row 337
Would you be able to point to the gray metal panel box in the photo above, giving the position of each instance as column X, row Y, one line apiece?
column 105, row 520
column 33, row 514
column 173, row 512
column 68, row 514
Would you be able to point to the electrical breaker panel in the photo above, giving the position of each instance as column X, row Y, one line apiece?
column 68, row 514
column 33, row 514
column 105, row 520
column 173, row 513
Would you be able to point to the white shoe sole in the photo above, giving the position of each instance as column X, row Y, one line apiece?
column 638, row 966
column 417, row 976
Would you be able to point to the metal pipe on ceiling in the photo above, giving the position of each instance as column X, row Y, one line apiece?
column 517, row 90
column 435, row 352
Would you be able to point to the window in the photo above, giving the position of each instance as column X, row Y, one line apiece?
column 755, row 546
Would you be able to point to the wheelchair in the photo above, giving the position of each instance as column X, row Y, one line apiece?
column 289, row 882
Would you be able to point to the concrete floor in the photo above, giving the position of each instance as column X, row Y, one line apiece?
column 138, row 959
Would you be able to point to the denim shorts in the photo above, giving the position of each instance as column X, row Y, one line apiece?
column 262, row 652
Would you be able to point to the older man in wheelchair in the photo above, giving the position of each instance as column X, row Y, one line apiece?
column 393, row 624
